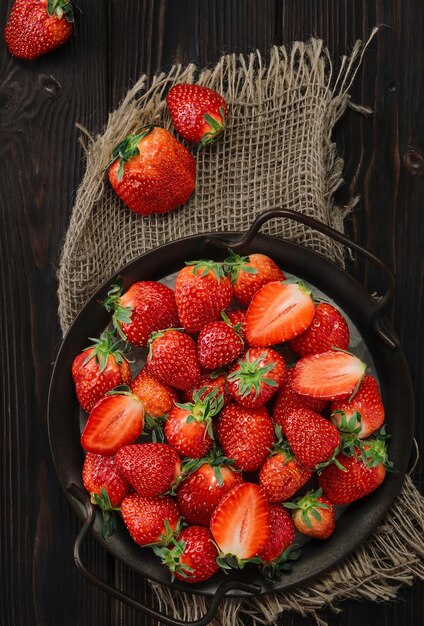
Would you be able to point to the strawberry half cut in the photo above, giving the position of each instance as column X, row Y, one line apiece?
column 329, row 375
column 240, row 525
column 115, row 421
column 278, row 312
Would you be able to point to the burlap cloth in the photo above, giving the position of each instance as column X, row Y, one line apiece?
column 277, row 152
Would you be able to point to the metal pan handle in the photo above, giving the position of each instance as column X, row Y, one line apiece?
column 384, row 333
column 91, row 512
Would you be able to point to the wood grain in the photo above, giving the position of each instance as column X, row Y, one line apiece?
column 42, row 164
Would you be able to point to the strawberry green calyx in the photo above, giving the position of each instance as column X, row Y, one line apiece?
column 128, row 148
column 120, row 314
column 250, row 376
column 274, row 569
column 374, row 451
column 168, row 536
column 171, row 557
column 153, row 426
column 205, row 266
column 235, row 264
column 349, row 429
column 309, row 506
column 202, row 410
column 107, row 345
column 230, row 561
column 281, row 445
column 102, row 500
column 60, row 8
column 216, row 126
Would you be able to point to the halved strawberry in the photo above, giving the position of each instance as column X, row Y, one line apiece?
column 115, row 421
column 278, row 312
column 329, row 375
column 240, row 524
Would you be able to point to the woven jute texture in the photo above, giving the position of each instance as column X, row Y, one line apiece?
column 277, row 152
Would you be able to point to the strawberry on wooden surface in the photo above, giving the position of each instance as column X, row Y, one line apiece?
column 240, row 525
column 150, row 520
column 219, row 343
column 328, row 330
column 287, row 399
column 313, row 515
column 197, row 113
column 248, row 274
column 158, row 399
column 278, row 312
column 192, row 556
column 281, row 475
column 35, row 27
column 152, row 172
column 201, row 491
column 115, row 421
column 146, row 307
column 256, row 376
column 328, row 375
column 98, row 369
column 150, row 468
column 246, row 435
column 367, row 404
column 313, row 439
column 202, row 291
column 173, row 359
column 364, row 471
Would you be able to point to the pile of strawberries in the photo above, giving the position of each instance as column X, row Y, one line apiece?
column 220, row 448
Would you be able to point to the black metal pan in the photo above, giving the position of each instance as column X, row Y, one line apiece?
column 389, row 363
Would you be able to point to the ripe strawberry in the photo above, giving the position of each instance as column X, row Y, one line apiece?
column 202, row 291
column 152, row 172
column 329, row 375
column 237, row 318
column 282, row 474
column 218, row 344
column 149, row 520
column 245, row 435
column 240, row 525
column 98, row 369
column 172, row 359
column 362, row 474
column 198, row 113
column 146, row 307
column 250, row 273
column 281, row 534
column 313, row 515
column 192, row 556
column 150, row 468
column 115, row 421
column 287, row 399
column 328, row 330
column 189, row 426
column 366, row 403
column 35, row 27
column 201, row 491
column 278, row 312
column 158, row 399
column 216, row 381
column 255, row 378
column 313, row 439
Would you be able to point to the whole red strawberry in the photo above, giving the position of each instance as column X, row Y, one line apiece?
column 286, row 399
column 313, row 515
column 218, row 344
column 313, row 439
column 363, row 473
column 150, row 468
column 191, row 557
column 198, row 113
column 282, row 474
column 256, row 376
column 201, row 491
column 367, row 404
column 246, row 435
column 281, row 536
column 98, row 369
column 173, row 360
column 248, row 274
column 146, row 307
column 35, row 27
column 158, row 399
column 152, row 172
column 202, row 291
column 328, row 330
column 150, row 520
column 188, row 427
column 216, row 381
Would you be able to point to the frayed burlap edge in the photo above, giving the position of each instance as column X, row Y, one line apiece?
column 392, row 557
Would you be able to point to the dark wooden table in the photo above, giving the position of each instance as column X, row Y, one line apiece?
column 41, row 166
